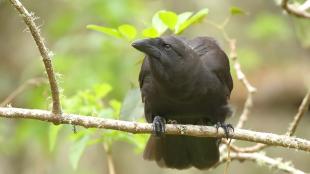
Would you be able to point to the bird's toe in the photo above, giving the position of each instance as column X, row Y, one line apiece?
column 227, row 128
column 159, row 126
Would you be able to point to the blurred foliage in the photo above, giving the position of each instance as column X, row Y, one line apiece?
column 93, row 102
column 132, row 106
column 249, row 59
column 303, row 31
column 99, row 73
column 268, row 26
column 237, row 11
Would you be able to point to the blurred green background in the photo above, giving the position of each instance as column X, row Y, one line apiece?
column 98, row 75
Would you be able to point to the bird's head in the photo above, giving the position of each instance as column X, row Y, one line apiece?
column 170, row 55
column 167, row 50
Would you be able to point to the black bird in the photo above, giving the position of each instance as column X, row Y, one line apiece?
column 186, row 82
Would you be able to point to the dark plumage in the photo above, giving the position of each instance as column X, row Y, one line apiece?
column 187, row 81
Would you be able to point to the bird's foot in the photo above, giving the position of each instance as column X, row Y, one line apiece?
column 159, row 126
column 226, row 127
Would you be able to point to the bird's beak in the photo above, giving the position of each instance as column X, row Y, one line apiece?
column 147, row 46
column 141, row 44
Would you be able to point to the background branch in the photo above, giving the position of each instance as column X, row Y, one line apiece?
column 262, row 159
column 251, row 90
column 111, row 166
column 241, row 77
column 303, row 108
column 46, row 55
column 296, row 11
column 258, row 158
column 21, row 88
column 135, row 127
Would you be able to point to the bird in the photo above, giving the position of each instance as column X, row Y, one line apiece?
column 184, row 81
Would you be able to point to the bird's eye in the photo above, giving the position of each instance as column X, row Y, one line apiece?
column 167, row 46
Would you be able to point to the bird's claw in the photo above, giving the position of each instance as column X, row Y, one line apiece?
column 172, row 122
column 159, row 126
column 226, row 127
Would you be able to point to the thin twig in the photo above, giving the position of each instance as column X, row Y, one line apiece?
column 257, row 147
column 296, row 11
column 228, row 157
column 22, row 88
column 173, row 129
column 111, row 167
column 46, row 55
column 303, row 108
column 262, row 159
column 241, row 76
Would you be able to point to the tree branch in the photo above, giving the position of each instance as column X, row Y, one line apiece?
column 300, row 12
column 241, row 77
column 46, row 55
column 135, row 127
column 305, row 5
column 262, row 159
column 303, row 108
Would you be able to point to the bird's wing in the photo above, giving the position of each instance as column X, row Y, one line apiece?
column 144, row 73
column 145, row 87
column 214, row 58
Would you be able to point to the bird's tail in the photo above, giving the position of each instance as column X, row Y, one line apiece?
column 181, row 152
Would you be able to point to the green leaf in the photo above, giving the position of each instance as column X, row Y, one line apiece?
column 169, row 18
column 236, row 11
column 181, row 19
column 105, row 30
column 128, row 31
column 150, row 32
column 77, row 150
column 116, row 105
column 158, row 24
column 132, row 107
column 102, row 90
column 194, row 19
column 52, row 135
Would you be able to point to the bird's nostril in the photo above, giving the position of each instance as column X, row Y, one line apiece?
column 133, row 44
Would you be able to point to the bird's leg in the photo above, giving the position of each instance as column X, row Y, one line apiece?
column 226, row 127
column 159, row 126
